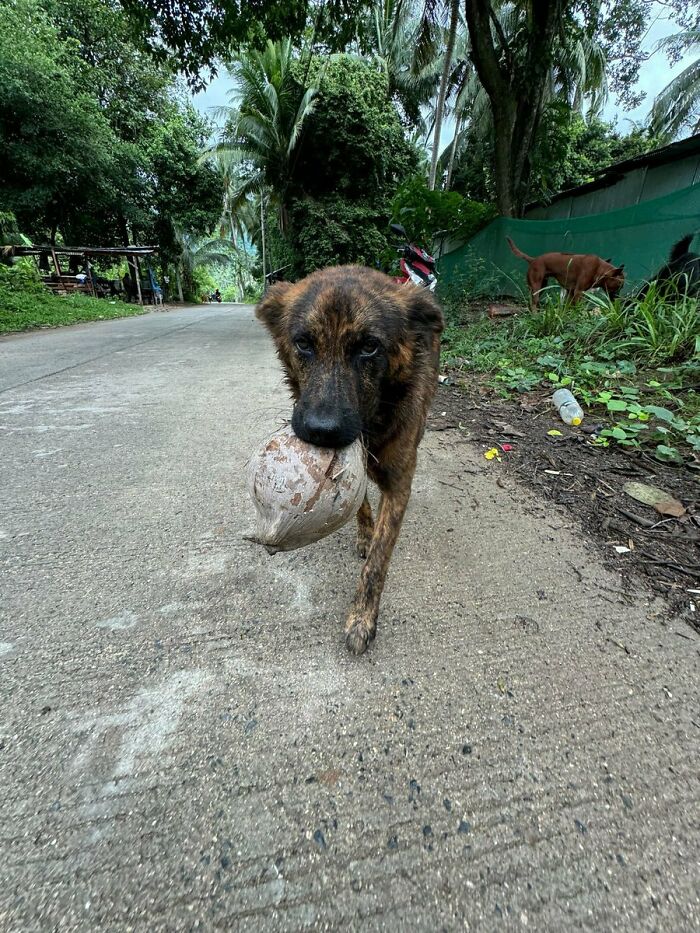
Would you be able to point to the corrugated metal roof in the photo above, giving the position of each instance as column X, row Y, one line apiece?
column 613, row 173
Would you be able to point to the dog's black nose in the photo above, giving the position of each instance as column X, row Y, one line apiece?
column 325, row 428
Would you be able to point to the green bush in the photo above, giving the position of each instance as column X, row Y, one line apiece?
column 21, row 275
column 352, row 155
column 333, row 231
column 424, row 212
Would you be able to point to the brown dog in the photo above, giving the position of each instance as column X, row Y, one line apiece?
column 361, row 356
column 576, row 272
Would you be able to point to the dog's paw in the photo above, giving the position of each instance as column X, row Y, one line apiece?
column 362, row 545
column 358, row 636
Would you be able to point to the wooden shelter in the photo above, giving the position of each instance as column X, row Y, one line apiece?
column 65, row 259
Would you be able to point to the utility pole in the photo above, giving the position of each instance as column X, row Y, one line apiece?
column 262, row 232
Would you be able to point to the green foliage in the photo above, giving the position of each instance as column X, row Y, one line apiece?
column 568, row 151
column 96, row 145
column 20, row 277
column 197, row 32
column 258, row 151
column 353, row 144
column 25, row 303
column 633, row 364
column 332, row 230
column 424, row 212
column 341, row 209
column 56, row 146
column 9, row 231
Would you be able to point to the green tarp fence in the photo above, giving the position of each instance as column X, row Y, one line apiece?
column 639, row 236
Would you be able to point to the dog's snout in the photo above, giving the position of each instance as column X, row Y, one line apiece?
column 325, row 428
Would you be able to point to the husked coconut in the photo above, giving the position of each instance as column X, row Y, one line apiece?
column 303, row 493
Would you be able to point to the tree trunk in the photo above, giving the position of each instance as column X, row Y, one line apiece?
column 453, row 150
column 442, row 94
column 503, row 125
column 516, row 86
column 178, row 279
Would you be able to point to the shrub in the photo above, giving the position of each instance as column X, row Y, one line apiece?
column 424, row 212
column 332, row 231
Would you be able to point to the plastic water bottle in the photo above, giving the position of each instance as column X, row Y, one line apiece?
column 569, row 409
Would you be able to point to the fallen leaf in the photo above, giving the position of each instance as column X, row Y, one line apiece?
column 659, row 499
column 554, row 433
column 506, row 428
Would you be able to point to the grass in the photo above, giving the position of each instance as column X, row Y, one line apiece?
column 23, row 311
column 633, row 364
column 25, row 304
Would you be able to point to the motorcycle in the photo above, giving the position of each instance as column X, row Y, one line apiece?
column 417, row 266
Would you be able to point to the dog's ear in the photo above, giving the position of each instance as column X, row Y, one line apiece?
column 271, row 308
column 424, row 314
column 619, row 270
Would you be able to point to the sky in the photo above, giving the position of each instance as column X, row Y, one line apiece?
column 654, row 74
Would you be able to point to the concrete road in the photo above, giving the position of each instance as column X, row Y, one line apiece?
column 185, row 742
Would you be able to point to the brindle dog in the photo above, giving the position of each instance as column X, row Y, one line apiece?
column 361, row 355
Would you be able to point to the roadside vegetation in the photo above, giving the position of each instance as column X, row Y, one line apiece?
column 634, row 365
column 26, row 304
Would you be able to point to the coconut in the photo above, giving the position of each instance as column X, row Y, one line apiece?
column 303, row 493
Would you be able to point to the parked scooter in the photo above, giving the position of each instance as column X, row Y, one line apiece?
column 417, row 266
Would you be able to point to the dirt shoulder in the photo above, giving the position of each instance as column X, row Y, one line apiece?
column 662, row 552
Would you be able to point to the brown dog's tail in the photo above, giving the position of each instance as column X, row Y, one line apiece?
column 518, row 252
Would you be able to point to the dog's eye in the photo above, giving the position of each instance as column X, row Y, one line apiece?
column 369, row 347
column 303, row 345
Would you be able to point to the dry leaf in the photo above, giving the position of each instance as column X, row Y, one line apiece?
column 659, row 499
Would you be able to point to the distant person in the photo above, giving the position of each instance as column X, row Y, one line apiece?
column 217, row 295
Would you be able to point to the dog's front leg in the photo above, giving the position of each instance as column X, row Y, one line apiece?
column 365, row 528
column 362, row 621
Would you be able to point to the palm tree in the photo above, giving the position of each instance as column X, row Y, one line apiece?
column 578, row 76
column 677, row 107
column 444, row 81
column 393, row 31
column 263, row 125
column 195, row 252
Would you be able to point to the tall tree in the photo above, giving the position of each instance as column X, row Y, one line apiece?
column 196, row 33
column 263, row 126
column 515, row 80
column 442, row 93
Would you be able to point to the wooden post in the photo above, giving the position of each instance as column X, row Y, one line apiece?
column 88, row 269
column 138, row 278
column 55, row 261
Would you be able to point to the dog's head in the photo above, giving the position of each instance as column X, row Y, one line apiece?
column 352, row 342
column 612, row 279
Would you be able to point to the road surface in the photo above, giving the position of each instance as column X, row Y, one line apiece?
column 185, row 743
